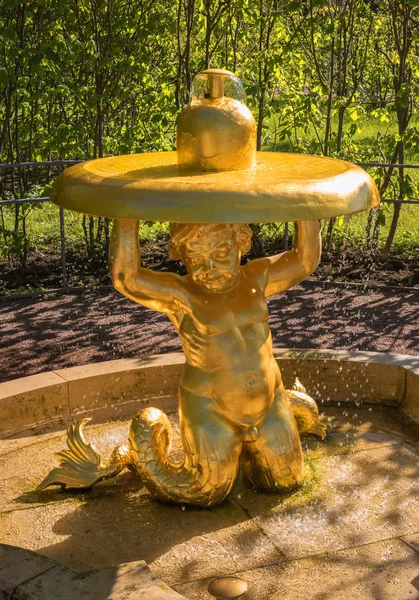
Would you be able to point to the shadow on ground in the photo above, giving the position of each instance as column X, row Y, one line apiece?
column 360, row 498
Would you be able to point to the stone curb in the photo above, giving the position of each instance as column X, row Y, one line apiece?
column 118, row 389
column 25, row 575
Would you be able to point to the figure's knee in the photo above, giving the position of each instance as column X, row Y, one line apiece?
column 199, row 421
column 279, row 433
column 220, row 440
column 275, row 462
column 271, row 470
column 214, row 447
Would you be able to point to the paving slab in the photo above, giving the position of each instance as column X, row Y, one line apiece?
column 86, row 533
column 349, row 499
column 234, row 547
column 25, row 439
column 381, row 571
column 352, row 428
column 412, row 541
column 34, row 528
column 18, row 565
column 131, row 581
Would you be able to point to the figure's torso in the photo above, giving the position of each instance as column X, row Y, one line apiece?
column 228, row 350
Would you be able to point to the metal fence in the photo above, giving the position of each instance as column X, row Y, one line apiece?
column 59, row 165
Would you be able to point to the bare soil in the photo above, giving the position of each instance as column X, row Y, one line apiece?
column 44, row 271
column 53, row 332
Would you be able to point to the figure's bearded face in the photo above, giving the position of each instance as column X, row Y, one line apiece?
column 213, row 260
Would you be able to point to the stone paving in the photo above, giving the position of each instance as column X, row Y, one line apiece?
column 352, row 531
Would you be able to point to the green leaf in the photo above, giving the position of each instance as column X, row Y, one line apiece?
column 381, row 217
column 51, row 54
column 4, row 77
column 35, row 60
column 9, row 33
column 292, row 7
column 403, row 95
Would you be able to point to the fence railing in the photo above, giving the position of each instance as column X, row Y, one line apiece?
column 61, row 164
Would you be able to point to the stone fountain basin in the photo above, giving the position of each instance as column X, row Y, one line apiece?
column 351, row 531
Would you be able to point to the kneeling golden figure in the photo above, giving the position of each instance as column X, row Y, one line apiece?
column 233, row 407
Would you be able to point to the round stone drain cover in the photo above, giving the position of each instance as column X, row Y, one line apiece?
column 227, row 588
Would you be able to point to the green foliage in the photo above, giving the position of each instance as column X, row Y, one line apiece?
column 100, row 77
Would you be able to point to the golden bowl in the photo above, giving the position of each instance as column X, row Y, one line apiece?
column 281, row 187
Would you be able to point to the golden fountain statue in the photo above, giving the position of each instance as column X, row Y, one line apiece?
column 233, row 408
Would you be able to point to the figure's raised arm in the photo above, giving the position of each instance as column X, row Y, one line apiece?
column 279, row 273
column 159, row 291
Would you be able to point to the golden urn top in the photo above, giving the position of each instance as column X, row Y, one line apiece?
column 216, row 175
column 216, row 131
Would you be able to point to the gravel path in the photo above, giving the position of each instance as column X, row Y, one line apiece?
column 55, row 332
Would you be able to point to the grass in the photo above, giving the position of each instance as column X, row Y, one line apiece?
column 43, row 230
column 364, row 142
column 365, row 137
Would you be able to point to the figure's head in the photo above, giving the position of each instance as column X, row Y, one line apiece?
column 211, row 252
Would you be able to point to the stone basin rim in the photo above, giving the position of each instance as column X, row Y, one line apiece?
column 117, row 389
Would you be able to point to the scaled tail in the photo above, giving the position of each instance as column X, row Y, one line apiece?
column 202, row 484
column 81, row 465
column 305, row 411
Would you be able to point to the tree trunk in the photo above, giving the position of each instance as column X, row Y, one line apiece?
column 397, row 207
column 261, row 110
